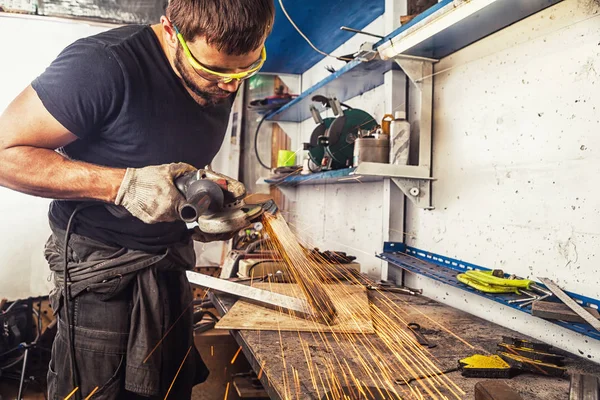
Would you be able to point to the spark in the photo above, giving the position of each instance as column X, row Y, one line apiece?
column 167, row 332
column 177, row 374
column 262, row 367
column 237, row 353
column 92, row 393
column 386, row 362
column 226, row 391
column 72, row 393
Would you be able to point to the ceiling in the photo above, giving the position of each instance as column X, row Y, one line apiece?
column 320, row 21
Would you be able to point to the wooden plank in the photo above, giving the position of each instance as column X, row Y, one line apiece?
column 354, row 315
column 559, row 311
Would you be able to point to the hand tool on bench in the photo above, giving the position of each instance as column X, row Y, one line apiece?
column 493, row 282
column 539, row 346
column 527, row 364
column 535, row 357
column 485, row 366
column 532, row 354
column 384, row 286
column 421, row 339
column 589, row 318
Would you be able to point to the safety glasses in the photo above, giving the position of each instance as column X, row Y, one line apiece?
column 221, row 77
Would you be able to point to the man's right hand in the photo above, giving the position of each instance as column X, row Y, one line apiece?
column 150, row 194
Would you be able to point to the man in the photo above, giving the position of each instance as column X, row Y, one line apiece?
column 130, row 110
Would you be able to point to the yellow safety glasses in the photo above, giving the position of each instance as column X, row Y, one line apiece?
column 221, row 77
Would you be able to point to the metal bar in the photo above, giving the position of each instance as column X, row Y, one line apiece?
column 589, row 318
column 345, row 28
column 392, row 171
column 584, row 387
column 259, row 296
column 23, row 371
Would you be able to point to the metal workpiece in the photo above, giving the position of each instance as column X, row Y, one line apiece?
column 544, row 297
column 417, row 331
column 584, row 387
column 541, row 290
column 558, row 292
column 262, row 297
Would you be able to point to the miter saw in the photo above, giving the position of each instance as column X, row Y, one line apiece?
column 217, row 202
column 331, row 143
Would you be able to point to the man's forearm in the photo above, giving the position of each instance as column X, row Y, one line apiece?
column 45, row 173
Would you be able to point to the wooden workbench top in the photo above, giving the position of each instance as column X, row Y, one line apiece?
column 456, row 334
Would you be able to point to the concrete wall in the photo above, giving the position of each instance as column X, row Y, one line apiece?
column 28, row 45
column 345, row 217
column 516, row 154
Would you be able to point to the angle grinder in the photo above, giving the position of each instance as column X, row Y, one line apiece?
column 216, row 202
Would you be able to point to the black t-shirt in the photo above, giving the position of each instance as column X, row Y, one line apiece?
column 118, row 94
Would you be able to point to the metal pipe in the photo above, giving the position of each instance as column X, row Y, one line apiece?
column 23, row 370
column 345, row 28
column 530, row 302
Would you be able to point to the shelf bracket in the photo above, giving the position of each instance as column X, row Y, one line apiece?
column 418, row 69
column 420, row 72
column 417, row 190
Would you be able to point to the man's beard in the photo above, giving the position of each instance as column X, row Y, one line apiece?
column 203, row 97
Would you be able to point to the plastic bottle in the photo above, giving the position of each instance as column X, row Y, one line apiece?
column 399, row 139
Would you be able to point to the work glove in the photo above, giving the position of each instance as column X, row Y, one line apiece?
column 204, row 237
column 150, row 194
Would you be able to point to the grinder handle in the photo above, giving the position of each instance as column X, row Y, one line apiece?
column 202, row 196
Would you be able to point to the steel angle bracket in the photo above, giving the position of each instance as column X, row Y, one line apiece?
column 420, row 72
column 417, row 190
column 413, row 180
column 418, row 69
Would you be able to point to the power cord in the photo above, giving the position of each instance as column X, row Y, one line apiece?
column 256, row 138
column 70, row 338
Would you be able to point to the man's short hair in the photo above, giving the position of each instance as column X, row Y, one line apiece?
column 233, row 26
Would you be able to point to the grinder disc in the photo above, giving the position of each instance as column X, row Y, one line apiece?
column 229, row 220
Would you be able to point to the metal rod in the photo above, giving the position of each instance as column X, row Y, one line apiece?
column 532, row 300
column 252, row 294
column 23, row 370
column 345, row 28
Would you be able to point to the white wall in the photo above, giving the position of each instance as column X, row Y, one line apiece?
column 516, row 154
column 345, row 217
column 28, row 45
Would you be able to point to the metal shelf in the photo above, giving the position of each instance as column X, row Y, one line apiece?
column 438, row 32
column 452, row 25
column 346, row 175
column 354, row 79
column 445, row 269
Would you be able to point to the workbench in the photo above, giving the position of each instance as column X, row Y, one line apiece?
column 264, row 349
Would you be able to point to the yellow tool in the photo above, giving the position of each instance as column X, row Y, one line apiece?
column 484, row 366
column 490, row 282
